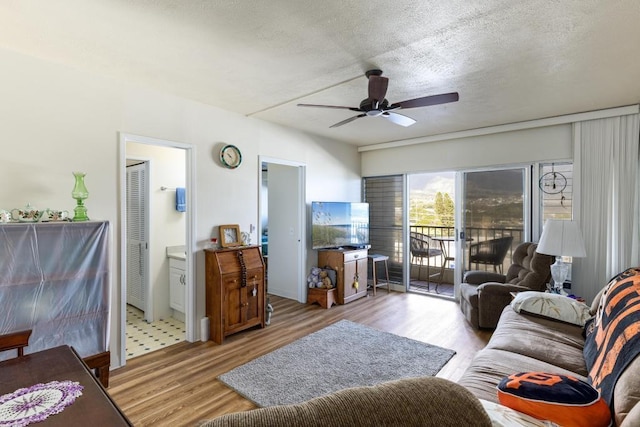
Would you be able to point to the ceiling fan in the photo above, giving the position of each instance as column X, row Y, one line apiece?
column 376, row 105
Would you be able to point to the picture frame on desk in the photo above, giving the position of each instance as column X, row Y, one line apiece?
column 230, row 235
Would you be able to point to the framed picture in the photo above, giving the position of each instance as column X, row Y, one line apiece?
column 230, row 235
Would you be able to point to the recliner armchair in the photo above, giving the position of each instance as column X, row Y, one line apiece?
column 484, row 295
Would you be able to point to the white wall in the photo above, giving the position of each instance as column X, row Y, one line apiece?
column 522, row 146
column 56, row 120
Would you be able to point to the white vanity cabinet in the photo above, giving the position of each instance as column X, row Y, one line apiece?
column 177, row 283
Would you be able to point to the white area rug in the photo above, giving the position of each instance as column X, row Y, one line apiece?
column 342, row 355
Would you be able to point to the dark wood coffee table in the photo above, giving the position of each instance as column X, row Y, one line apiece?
column 93, row 408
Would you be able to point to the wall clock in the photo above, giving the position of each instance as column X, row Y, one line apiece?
column 230, row 156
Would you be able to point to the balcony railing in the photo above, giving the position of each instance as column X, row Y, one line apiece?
column 473, row 235
column 388, row 241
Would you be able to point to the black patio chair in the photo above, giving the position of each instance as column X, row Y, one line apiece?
column 490, row 252
column 423, row 247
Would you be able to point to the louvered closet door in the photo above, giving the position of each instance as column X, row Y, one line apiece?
column 136, row 236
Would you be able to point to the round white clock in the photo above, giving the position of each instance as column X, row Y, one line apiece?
column 230, row 156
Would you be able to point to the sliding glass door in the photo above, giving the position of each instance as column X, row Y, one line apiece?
column 431, row 221
column 473, row 219
column 461, row 221
column 494, row 217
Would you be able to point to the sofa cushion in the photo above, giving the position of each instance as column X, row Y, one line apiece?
column 554, row 306
column 632, row 418
column 547, row 340
column 490, row 366
column 562, row 399
column 626, row 396
column 503, row 416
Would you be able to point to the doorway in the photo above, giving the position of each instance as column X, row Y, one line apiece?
column 460, row 212
column 282, row 226
column 156, row 323
column 432, row 248
column 495, row 205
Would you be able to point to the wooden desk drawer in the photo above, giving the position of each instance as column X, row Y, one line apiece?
column 355, row 255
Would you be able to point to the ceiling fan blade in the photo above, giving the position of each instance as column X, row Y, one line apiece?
column 329, row 106
column 398, row 119
column 350, row 119
column 426, row 101
column 377, row 88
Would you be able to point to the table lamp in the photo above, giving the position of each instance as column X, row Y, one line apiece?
column 561, row 238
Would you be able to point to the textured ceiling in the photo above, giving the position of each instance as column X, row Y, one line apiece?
column 509, row 60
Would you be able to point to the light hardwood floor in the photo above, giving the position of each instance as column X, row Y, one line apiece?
column 177, row 386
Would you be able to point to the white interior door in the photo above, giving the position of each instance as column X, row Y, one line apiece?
column 137, row 241
column 285, row 225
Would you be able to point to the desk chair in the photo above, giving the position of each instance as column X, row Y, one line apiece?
column 15, row 341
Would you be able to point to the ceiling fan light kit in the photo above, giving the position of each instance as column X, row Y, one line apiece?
column 376, row 104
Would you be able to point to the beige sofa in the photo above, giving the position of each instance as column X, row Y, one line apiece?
column 526, row 342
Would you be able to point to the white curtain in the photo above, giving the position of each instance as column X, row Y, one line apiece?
column 607, row 160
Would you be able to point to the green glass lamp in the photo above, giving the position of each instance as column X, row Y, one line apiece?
column 80, row 193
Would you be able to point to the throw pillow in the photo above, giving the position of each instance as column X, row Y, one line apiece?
column 562, row 399
column 554, row 306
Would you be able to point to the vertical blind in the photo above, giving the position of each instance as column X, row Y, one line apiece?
column 385, row 196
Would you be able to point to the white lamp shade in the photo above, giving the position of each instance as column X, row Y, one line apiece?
column 561, row 238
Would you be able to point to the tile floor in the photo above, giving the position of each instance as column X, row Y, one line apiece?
column 143, row 337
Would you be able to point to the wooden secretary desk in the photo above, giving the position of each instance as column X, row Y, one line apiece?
column 235, row 290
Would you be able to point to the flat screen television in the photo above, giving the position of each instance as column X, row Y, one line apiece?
column 339, row 224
